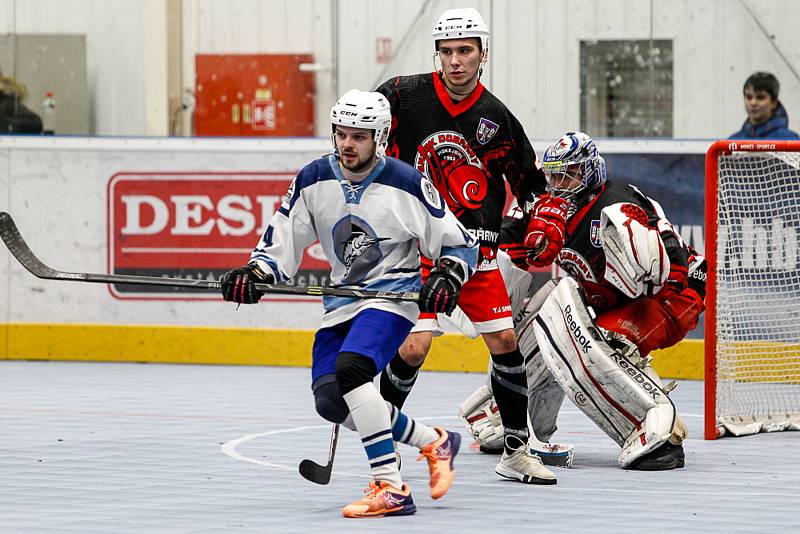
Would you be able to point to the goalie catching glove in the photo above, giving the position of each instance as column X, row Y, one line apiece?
column 546, row 230
column 440, row 291
column 239, row 285
column 636, row 259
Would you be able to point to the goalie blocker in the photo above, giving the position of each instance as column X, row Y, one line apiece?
column 625, row 401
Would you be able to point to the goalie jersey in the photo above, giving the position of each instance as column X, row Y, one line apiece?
column 466, row 149
column 582, row 255
column 370, row 232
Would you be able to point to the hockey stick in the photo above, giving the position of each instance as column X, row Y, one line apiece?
column 20, row 250
column 321, row 474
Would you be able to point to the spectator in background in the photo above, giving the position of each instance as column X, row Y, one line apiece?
column 766, row 116
column 14, row 116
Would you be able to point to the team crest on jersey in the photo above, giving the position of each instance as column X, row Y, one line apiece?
column 355, row 243
column 594, row 234
column 576, row 265
column 486, row 130
column 450, row 163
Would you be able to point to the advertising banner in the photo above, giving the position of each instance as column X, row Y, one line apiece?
column 194, row 226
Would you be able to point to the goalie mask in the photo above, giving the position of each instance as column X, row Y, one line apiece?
column 573, row 168
column 363, row 109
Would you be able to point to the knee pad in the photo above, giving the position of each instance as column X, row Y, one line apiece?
column 353, row 370
column 328, row 400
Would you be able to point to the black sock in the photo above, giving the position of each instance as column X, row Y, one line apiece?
column 397, row 379
column 510, row 387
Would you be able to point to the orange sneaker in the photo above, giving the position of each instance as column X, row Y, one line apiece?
column 382, row 500
column 440, row 455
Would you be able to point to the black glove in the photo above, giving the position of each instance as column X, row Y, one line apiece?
column 440, row 291
column 239, row 285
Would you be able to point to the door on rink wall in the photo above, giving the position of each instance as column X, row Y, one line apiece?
column 254, row 95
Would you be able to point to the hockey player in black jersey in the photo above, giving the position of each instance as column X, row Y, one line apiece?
column 634, row 287
column 468, row 144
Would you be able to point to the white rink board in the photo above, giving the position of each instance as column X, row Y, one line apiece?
column 56, row 191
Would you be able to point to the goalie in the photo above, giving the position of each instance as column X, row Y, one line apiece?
column 634, row 287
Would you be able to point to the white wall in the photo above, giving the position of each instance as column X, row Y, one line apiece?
column 534, row 53
column 119, row 36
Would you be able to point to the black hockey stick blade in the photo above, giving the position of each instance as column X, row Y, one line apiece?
column 321, row 474
column 20, row 250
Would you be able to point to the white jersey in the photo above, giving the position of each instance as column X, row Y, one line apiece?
column 371, row 233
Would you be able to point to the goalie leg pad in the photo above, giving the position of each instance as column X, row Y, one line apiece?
column 482, row 417
column 618, row 396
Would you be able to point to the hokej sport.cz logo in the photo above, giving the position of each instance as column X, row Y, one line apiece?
column 193, row 225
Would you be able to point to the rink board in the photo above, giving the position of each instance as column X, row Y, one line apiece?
column 69, row 195
column 251, row 346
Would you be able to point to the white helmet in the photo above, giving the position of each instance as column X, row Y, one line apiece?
column 461, row 24
column 363, row 109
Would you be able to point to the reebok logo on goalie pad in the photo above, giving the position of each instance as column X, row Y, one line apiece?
column 576, row 330
column 638, row 376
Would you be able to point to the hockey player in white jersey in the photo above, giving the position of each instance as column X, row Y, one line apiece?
column 372, row 216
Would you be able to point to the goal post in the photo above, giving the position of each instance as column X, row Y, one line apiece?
column 752, row 332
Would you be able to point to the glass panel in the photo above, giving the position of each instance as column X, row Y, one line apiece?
column 623, row 92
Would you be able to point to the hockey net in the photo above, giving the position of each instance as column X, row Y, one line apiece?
column 752, row 345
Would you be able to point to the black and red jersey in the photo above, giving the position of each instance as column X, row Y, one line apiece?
column 465, row 148
column 582, row 255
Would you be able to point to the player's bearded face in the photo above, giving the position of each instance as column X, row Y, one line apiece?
column 461, row 60
column 356, row 147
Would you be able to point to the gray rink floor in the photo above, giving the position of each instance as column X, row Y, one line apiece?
column 100, row 447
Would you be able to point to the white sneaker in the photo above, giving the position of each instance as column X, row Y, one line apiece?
column 523, row 466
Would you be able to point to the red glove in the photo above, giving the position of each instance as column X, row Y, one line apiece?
column 547, row 230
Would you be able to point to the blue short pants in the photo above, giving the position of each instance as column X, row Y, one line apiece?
column 376, row 334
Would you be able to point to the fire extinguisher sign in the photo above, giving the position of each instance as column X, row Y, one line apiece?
column 264, row 111
column 193, row 225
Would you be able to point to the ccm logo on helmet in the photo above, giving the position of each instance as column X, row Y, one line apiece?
column 576, row 330
column 348, row 113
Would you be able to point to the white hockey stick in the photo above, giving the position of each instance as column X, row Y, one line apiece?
column 20, row 250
